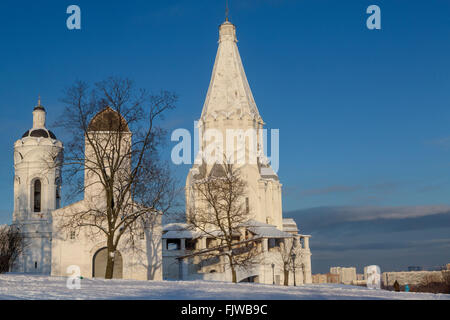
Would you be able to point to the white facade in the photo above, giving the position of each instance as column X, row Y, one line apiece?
column 85, row 247
column 143, row 261
column 37, row 183
column 185, row 256
column 230, row 107
column 50, row 249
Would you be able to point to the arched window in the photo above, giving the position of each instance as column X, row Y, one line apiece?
column 37, row 196
column 58, row 198
column 58, row 192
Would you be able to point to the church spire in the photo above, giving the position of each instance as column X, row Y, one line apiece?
column 229, row 93
column 227, row 11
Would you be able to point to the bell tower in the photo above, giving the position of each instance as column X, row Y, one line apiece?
column 37, row 192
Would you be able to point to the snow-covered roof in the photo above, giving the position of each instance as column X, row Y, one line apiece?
column 289, row 225
column 189, row 233
column 269, row 232
column 179, row 231
column 268, row 173
column 175, row 226
column 260, row 229
column 181, row 234
column 265, row 230
column 254, row 223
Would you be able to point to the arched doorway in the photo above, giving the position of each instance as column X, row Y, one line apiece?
column 99, row 264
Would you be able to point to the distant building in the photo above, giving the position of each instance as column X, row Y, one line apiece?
column 346, row 275
column 319, row 278
column 338, row 275
column 333, row 278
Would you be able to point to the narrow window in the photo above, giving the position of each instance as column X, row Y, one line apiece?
column 37, row 196
column 35, row 264
column 142, row 236
column 247, row 205
column 58, row 192
column 72, row 235
column 58, row 198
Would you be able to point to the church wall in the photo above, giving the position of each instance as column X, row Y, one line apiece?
column 187, row 270
column 92, row 181
column 35, row 158
column 141, row 263
column 36, row 257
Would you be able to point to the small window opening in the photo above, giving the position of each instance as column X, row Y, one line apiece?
column 37, row 196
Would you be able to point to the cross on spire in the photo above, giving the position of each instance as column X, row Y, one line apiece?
column 227, row 10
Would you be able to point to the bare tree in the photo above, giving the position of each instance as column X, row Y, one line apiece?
column 446, row 280
column 221, row 214
column 434, row 282
column 113, row 158
column 12, row 244
column 287, row 250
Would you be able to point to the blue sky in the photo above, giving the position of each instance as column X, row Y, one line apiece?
column 363, row 114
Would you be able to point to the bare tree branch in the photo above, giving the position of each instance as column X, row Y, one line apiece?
column 113, row 159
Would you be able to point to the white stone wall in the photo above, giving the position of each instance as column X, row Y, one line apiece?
column 142, row 262
column 229, row 105
column 36, row 158
column 174, row 269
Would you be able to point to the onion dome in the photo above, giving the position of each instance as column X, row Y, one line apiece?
column 39, row 130
column 39, row 133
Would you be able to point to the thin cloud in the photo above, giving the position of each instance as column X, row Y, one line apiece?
column 330, row 189
column 379, row 188
column 392, row 237
column 441, row 142
column 387, row 245
column 365, row 213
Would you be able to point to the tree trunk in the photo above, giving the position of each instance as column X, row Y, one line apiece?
column 232, row 268
column 110, row 263
column 286, row 277
column 233, row 274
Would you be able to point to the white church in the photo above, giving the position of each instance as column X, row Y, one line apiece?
column 229, row 105
column 169, row 252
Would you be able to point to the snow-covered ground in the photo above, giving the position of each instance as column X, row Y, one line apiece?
column 19, row 286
